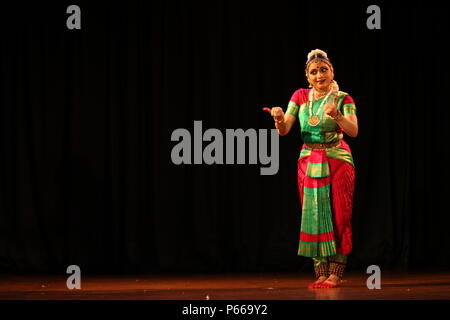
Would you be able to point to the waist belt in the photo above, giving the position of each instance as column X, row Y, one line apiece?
column 323, row 145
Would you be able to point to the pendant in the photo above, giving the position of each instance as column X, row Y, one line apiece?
column 313, row 120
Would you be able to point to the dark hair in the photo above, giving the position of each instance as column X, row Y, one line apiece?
column 318, row 56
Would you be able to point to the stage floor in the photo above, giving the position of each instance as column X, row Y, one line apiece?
column 394, row 286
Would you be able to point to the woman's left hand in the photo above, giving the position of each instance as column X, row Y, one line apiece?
column 330, row 108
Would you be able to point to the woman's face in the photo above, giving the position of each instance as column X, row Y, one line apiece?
column 320, row 75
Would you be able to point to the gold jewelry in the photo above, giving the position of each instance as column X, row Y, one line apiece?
column 338, row 116
column 319, row 95
column 314, row 119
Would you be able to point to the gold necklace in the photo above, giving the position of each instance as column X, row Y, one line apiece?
column 319, row 95
column 314, row 119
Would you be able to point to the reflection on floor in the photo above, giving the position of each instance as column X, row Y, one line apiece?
column 394, row 286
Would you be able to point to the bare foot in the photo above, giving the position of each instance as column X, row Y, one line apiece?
column 319, row 281
column 333, row 281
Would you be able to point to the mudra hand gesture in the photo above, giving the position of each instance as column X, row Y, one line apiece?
column 331, row 109
column 277, row 114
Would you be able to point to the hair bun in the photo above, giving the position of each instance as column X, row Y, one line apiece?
column 317, row 52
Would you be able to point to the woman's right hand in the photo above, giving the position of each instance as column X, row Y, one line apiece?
column 277, row 114
column 279, row 117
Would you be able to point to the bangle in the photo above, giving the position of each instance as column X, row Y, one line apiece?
column 279, row 121
column 338, row 116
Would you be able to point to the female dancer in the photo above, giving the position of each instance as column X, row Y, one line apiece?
column 326, row 171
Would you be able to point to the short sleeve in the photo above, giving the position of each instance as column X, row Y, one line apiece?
column 348, row 105
column 293, row 108
column 297, row 99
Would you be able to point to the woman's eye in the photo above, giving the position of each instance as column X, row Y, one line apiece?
column 324, row 69
column 313, row 72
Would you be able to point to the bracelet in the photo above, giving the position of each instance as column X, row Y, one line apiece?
column 279, row 121
column 338, row 117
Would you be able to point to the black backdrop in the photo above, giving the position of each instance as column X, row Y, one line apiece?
column 87, row 117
